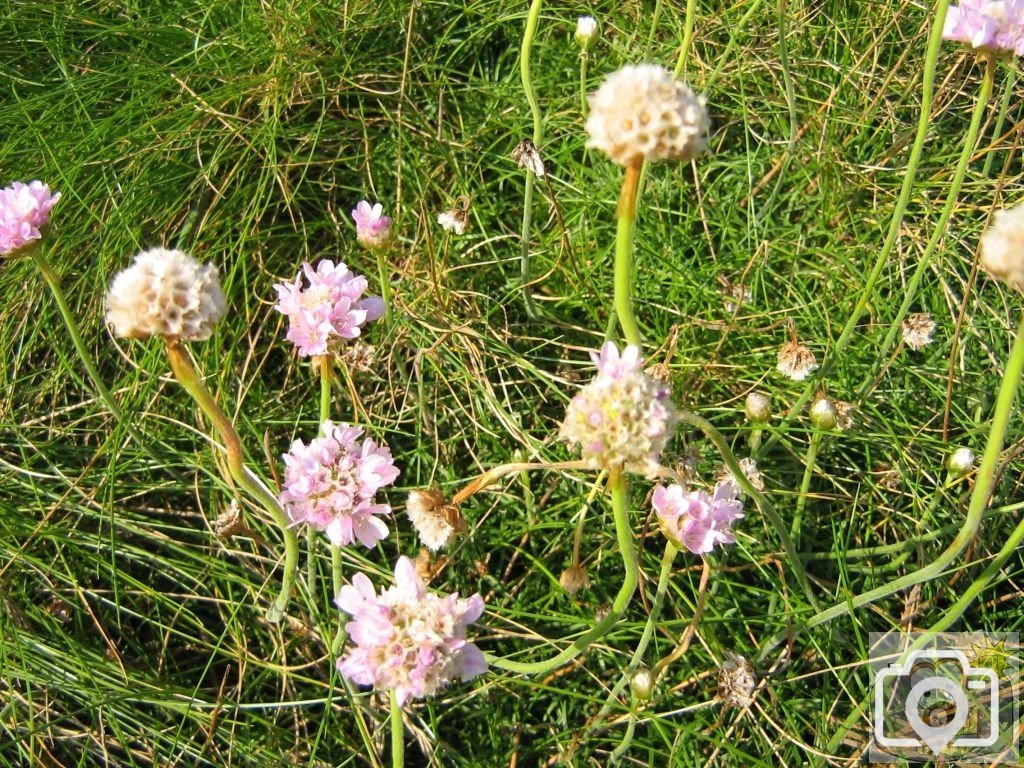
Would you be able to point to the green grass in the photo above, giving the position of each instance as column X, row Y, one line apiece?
column 246, row 131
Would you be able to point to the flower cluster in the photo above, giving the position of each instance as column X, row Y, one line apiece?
column 623, row 418
column 997, row 25
column 1002, row 247
column 643, row 113
column 328, row 308
column 373, row 228
column 24, row 211
column 330, row 484
column 697, row 520
column 408, row 640
column 165, row 293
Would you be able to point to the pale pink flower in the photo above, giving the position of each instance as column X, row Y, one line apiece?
column 373, row 228
column 697, row 520
column 330, row 484
column 623, row 418
column 329, row 307
column 408, row 640
column 24, row 210
column 994, row 24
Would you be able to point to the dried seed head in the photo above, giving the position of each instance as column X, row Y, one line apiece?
column 918, row 329
column 736, row 681
column 528, row 157
column 573, row 579
column 435, row 519
column 750, row 471
column 796, row 361
column 1002, row 246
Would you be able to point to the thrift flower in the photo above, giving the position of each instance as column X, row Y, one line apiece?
column 960, row 462
column 453, row 220
column 330, row 484
column 917, row 330
column 758, row 407
column 586, row 32
column 1002, row 247
column 328, row 308
column 643, row 113
column 24, row 211
column 997, row 25
column 623, row 418
column 373, row 228
column 165, row 293
column 697, row 520
column 435, row 519
column 824, row 414
column 408, row 640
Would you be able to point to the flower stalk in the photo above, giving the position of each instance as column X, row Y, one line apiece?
column 625, row 227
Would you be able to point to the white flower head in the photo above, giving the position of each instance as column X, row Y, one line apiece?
column 436, row 520
column 796, row 361
column 586, row 32
column 643, row 113
column 1002, row 247
column 917, row 330
column 453, row 220
column 165, row 293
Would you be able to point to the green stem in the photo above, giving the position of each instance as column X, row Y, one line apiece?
column 583, row 83
column 1004, row 105
column 626, row 214
column 189, row 379
column 627, row 550
column 805, row 485
column 986, row 476
column 53, row 283
column 384, row 278
column 895, row 225
column 688, row 417
column 939, row 231
column 532, row 20
column 688, row 25
column 397, row 733
column 979, row 503
column 667, row 559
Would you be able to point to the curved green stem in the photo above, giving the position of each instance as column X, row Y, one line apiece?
column 688, row 417
column 626, row 215
column 667, row 559
column 384, row 278
column 624, row 536
column 397, row 733
column 986, row 475
column 532, row 20
column 939, row 230
column 979, row 503
column 895, row 225
column 186, row 375
column 684, row 47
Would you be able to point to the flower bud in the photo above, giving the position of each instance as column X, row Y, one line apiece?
column 960, row 462
column 642, row 684
column 824, row 415
column 586, row 32
column 573, row 579
column 758, row 408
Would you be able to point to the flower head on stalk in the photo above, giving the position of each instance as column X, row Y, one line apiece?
column 996, row 25
column 623, row 418
column 436, row 520
column 1002, row 247
column 643, row 113
column 326, row 308
column 331, row 483
column 373, row 228
column 165, row 293
column 24, row 211
column 697, row 520
column 408, row 640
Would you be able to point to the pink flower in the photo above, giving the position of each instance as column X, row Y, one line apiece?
column 24, row 210
column 373, row 228
column 408, row 640
column 623, row 418
column 696, row 520
column 330, row 484
column 994, row 24
column 328, row 308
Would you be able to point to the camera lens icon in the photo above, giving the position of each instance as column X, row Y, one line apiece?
column 951, row 693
